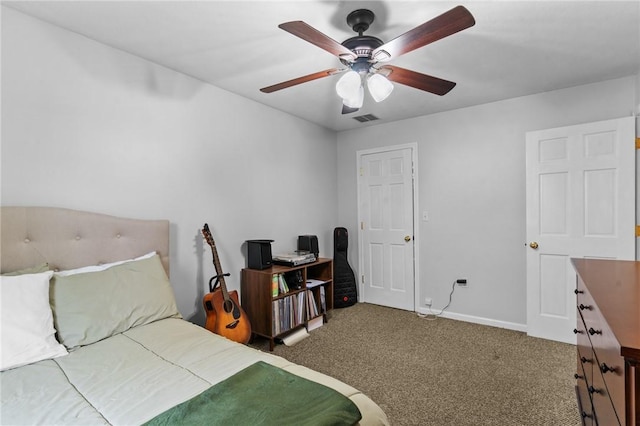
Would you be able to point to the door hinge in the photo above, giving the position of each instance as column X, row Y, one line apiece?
column 361, row 171
column 362, row 278
column 637, row 143
column 637, row 230
column 362, row 226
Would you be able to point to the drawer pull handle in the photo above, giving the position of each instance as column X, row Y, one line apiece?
column 584, row 360
column 592, row 331
column 606, row 369
column 576, row 331
column 583, row 307
column 578, row 377
column 576, row 291
column 593, row 390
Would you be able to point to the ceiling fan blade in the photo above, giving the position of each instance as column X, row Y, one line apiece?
column 417, row 80
column 456, row 19
column 300, row 80
column 313, row 36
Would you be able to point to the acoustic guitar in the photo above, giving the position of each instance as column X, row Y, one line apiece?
column 224, row 314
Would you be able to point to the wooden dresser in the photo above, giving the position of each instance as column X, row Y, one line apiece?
column 608, row 331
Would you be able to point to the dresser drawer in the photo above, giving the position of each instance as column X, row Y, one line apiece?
column 609, row 369
column 602, row 403
column 583, row 396
column 599, row 350
column 608, row 365
column 586, row 360
column 585, row 303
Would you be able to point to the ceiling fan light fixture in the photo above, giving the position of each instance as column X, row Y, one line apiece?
column 357, row 100
column 379, row 87
column 349, row 85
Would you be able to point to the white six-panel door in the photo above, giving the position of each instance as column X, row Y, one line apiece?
column 580, row 203
column 385, row 191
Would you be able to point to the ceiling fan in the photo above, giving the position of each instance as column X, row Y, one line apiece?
column 364, row 56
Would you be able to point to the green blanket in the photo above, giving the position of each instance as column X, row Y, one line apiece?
column 262, row 394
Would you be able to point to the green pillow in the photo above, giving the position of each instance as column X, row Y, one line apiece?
column 44, row 267
column 92, row 306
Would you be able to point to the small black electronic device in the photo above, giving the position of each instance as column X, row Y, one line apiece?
column 294, row 279
column 259, row 254
column 308, row 243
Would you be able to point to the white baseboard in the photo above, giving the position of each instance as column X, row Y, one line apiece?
column 478, row 320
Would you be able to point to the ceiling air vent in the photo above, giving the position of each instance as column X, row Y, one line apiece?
column 365, row 118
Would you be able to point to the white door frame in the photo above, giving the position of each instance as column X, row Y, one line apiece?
column 414, row 191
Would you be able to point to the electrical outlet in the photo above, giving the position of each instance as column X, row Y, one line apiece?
column 428, row 301
column 461, row 282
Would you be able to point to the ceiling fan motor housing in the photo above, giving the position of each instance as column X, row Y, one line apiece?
column 362, row 46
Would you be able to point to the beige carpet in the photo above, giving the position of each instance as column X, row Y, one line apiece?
column 442, row 372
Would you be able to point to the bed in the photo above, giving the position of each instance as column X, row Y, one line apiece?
column 91, row 335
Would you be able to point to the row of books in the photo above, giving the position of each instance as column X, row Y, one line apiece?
column 278, row 285
column 291, row 311
column 313, row 306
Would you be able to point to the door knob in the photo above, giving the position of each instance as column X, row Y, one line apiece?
column 533, row 245
column 407, row 238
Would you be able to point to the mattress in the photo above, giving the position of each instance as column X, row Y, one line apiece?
column 131, row 377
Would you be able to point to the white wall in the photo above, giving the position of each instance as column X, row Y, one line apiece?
column 472, row 183
column 88, row 127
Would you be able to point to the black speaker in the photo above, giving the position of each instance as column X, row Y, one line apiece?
column 259, row 254
column 308, row 243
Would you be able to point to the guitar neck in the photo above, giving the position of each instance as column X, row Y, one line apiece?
column 216, row 260
column 216, row 263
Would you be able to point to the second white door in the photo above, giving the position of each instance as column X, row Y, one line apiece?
column 580, row 203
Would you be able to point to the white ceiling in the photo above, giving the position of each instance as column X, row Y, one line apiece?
column 516, row 48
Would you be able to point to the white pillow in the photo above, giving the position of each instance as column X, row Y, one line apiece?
column 26, row 321
column 97, row 268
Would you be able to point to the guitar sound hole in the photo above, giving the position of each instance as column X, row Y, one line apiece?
column 228, row 306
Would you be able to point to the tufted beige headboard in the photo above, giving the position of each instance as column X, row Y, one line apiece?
column 69, row 239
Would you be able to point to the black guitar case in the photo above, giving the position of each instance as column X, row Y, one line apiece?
column 344, row 281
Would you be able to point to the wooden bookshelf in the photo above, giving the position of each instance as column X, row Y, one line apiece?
column 273, row 316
